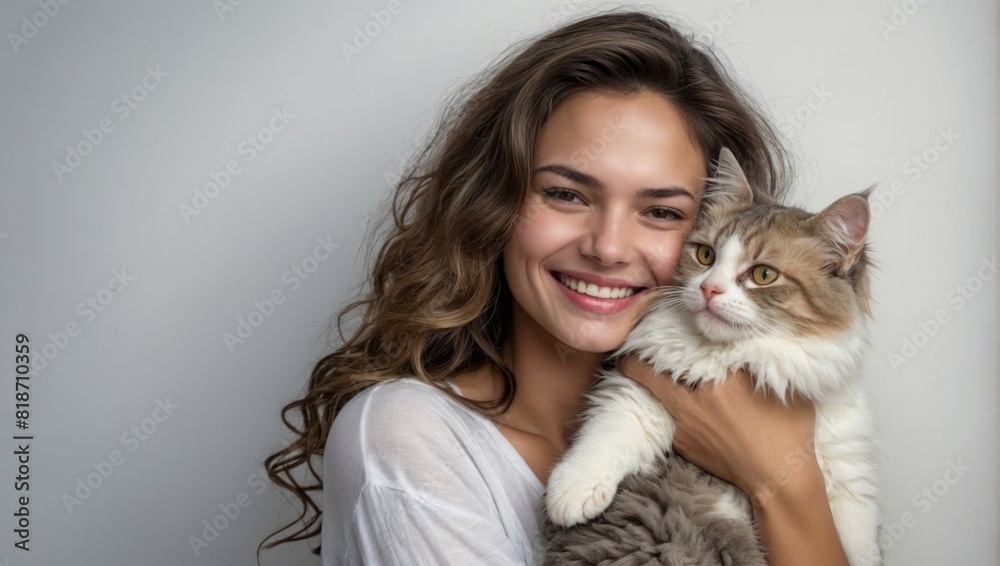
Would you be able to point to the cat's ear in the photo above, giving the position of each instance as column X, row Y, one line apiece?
column 844, row 224
column 728, row 184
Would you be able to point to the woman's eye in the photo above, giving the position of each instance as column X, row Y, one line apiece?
column 665, row 214
column 562, row 195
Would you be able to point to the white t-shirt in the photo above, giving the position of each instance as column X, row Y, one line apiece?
column 411, row 476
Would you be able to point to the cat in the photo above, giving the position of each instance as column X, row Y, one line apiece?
column 774, row 290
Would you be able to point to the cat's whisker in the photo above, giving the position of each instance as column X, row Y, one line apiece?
column 669, row 302
column 672, row 301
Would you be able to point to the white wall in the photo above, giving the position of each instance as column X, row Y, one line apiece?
column 63, row 236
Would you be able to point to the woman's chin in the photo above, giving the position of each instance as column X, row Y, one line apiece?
column 600, row 345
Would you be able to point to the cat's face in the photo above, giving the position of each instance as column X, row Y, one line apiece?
column 751, row 269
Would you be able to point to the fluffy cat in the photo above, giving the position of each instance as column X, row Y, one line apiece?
column 774, row 290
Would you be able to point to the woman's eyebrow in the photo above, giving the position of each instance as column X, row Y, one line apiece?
column 666, row 192
column 595, row 183
column 573, row 175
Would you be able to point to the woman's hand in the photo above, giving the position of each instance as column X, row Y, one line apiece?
column 763, row 446
column 753, row 441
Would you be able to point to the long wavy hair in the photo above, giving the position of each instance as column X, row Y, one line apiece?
column 436, row 303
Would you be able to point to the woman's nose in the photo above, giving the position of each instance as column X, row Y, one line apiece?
column 608, row 240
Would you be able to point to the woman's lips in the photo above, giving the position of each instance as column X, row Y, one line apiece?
column 597, row 304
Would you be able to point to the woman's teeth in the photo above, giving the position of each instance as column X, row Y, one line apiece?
column 596, row 291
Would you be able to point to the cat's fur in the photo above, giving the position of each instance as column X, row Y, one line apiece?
column 660, row 516
column 804, row 333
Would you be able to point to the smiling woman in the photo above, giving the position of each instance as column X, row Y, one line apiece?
column 593, row 237
column 523, row 245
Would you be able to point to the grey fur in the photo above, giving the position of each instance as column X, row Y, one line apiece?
column 661, row 517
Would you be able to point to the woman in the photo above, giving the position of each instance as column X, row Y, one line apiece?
column 523, row 245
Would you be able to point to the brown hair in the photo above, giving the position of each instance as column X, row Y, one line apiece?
column 437, row 303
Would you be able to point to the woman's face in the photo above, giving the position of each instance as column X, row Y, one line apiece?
column 615, row 188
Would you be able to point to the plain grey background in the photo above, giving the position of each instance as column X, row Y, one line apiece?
column 902, row 93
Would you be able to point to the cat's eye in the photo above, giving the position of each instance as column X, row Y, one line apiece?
column 705, row 255
column 764, row 275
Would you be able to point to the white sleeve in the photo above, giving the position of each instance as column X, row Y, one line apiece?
column 392, row 527
column 403, row 484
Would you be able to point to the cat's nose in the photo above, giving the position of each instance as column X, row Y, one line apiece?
column 709, row 290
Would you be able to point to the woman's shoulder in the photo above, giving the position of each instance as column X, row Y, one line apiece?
column 405, row 399
column 407, row 414
column 403, row 386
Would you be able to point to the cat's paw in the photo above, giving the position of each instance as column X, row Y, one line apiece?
column 574, row 498
column 703, row 371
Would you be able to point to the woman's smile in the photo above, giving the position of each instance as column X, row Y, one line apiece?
column 588, row 295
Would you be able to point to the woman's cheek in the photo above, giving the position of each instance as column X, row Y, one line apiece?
column 664, row 258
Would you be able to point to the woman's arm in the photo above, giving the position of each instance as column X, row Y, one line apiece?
column 766, row 449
